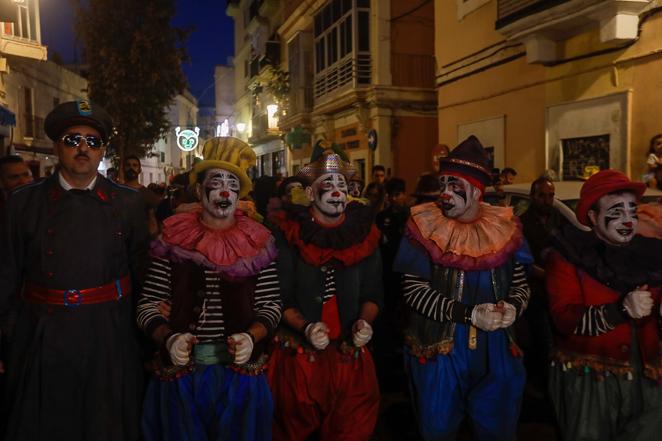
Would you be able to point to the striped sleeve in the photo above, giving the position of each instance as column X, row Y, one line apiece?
column 519, row 291
column 156, row 289
column 425, row 300
column 268, row 305
column 595, row 321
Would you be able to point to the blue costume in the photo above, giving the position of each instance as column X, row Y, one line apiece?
column 464, row 285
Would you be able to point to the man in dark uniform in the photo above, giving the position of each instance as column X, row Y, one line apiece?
column 74, row 247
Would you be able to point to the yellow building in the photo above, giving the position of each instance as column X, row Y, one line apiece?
column 20, row 37
column 562, row 85
column 257, row 52
column 360, row 73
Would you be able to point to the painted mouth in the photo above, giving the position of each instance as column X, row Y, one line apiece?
column 223, row 204
column 625, row 232
column 336, row 203
column 447, row 207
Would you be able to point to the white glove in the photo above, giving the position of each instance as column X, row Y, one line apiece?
column 638, row 303
column 318, row 335
column 509, row 313
column 179, row 347
column 361, row 333
column 243, row 347
column 486, row 317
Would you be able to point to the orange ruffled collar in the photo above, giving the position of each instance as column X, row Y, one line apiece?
column 485, row 243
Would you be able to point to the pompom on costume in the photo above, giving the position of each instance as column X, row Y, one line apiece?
column 220, row 283
column 607, row 366
column 328, row 274
column 450, row 268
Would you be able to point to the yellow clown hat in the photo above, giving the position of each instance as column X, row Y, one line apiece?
column 228, row 153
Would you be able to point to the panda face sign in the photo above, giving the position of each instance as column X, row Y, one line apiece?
column 187, row 139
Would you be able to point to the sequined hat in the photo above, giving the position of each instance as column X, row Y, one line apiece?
column 228, row 153
column 328, row 162
column 78, row 113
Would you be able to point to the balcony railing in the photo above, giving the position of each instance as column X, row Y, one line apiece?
column 13, row 44
column 353, row 70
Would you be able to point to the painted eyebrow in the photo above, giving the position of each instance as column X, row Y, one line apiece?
column 617, row 205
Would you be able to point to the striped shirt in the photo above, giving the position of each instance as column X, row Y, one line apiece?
column 211, row 324
column 595, row 321
column 422, row 298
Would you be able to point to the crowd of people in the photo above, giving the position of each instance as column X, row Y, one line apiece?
column 226, row 308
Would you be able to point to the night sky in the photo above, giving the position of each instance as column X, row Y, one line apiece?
column 210, row 43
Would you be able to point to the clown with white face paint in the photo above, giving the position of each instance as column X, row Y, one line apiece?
column 615, row 218
column 604, row 294
column 219, row 193
column 216, row 267
column 328, row 195
column 459, row 199
column 355, row 186
column 464, row 285
column 330, row 271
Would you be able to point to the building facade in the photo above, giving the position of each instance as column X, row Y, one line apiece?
column 20, row 37
column 32, row 89
column 570, row 86
column 357, row 73
column 257, row 62
column 167, row 158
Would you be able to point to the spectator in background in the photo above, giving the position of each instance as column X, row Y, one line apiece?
column 375, row 194
column 654, row 161
column 391, row 222
column 535, row 331
column 264, row 188
column 379, row 174
column 356, row 185
column 440, row 152
column 427, row 189
column 507, row 176
column 132, row 171
column 112, row 174
column 14, row 172
column 287, row 186
column 176, row 194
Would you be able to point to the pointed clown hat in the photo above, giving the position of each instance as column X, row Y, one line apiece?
column 228, row 153
column 325, row 159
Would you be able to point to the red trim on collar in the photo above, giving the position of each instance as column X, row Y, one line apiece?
column 317, row 256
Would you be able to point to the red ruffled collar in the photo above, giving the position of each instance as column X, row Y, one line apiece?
column 316, row 255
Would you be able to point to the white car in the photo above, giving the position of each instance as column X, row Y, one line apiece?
column 566, row 196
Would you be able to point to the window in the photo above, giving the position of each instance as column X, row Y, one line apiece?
column 342, row 45
column 28, row 130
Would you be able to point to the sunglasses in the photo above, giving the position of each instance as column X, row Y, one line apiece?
column 73, row 140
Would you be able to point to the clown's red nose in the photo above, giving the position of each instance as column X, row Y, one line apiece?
column 335, row 194
column 225, row 194
column 446, row 197
column 627, row 224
